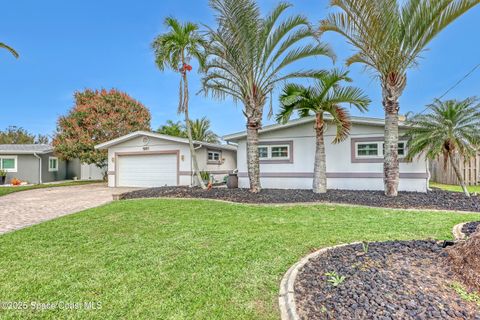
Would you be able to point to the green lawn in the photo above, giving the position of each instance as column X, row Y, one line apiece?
column 185, row 259
column 8, row 190
column 454, row 188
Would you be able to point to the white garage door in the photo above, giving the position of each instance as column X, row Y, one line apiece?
column 152, row 170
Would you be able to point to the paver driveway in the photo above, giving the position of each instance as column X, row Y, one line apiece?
column 25, row 208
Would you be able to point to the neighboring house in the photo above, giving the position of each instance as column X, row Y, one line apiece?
column 287, row 156
column 37, row 163
column 146, row 159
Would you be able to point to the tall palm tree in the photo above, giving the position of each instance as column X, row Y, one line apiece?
column 174, row 49
column 10, row 49
column 325, row 97
column 201, row 131
column 452, row 127
column 248, row 54
column 389, row 36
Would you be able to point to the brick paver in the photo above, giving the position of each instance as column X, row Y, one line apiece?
column 25, row 208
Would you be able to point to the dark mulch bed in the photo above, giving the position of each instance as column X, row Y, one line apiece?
column 437, row 199
column 469, row 228
column 393, row 280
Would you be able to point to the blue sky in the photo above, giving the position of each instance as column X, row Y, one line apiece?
column 67, row 46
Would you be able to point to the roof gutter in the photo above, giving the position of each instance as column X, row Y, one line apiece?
column 39, row 168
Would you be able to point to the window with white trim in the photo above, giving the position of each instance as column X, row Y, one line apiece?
column 8, row 163
column 52, row 164
column 274, row 152
column 214, row 156
column 376, row 149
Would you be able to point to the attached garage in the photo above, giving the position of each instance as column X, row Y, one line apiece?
column 156, row 169
column 147, row 159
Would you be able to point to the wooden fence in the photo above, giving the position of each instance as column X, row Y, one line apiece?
column 446, row 175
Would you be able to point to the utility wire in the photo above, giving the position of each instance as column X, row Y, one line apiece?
column 468, row 74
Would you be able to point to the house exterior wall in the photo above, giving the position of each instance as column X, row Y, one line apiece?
column 138, row 145
column 49, row 176
column 218, row 169
column 27, row 169
column 83, row 171
column 343, row 170
column 73, row 169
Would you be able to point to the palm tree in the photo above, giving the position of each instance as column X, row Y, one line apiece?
column 389, row 36
column 201, row 131
column 452, row 127
column 174, row 129
column 174, row 49
column 325, row 97
column 247, row 56
column 12, row 51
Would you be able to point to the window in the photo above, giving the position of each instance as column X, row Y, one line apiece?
column 52, row 164
column 214, row 156
column 401, row 148
column 367, row 149
column 263, row 152
column 274, row 152
column 372, row 149
column 8, row 163
column 280, row 152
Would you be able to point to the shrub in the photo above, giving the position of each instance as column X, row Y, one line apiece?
column 465, row 259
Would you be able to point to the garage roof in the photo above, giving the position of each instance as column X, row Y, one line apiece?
column 136, row 134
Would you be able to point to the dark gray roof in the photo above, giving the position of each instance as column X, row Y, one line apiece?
column 25, row 148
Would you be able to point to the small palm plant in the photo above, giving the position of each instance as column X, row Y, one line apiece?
column 452, row 127
column 174, row 49
column 10, row 49
column 325, row 97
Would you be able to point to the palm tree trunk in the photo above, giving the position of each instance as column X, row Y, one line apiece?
column 391, row 174
column 320, row 165
column 253, row 161
column 458, row 174
column 189, row 130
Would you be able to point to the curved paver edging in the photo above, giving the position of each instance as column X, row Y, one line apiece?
column 457, row 231
column 286, row 298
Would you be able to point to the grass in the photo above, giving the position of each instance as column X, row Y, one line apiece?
column 185, row 259
column 454, row 188
column 8, row 190
column 465, row 295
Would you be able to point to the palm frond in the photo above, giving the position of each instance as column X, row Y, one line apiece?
column 10, row 49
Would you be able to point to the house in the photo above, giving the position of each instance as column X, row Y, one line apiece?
column 287, row 157
column 37, row 163
column 147, row 159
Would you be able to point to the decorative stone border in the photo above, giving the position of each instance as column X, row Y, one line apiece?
column 286, row 297
column 457, row 231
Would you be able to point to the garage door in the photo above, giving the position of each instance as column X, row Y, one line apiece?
column 152, row 170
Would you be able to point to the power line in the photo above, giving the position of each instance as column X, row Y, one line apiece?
column 455, row 85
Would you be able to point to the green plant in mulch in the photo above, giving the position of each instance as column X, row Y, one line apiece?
column 334, row 278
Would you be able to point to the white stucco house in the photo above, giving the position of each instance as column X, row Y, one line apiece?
column 287, row 157
column 147, row 159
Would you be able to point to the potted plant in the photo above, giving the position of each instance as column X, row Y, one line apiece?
column 205, row 177
column 3, row 176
